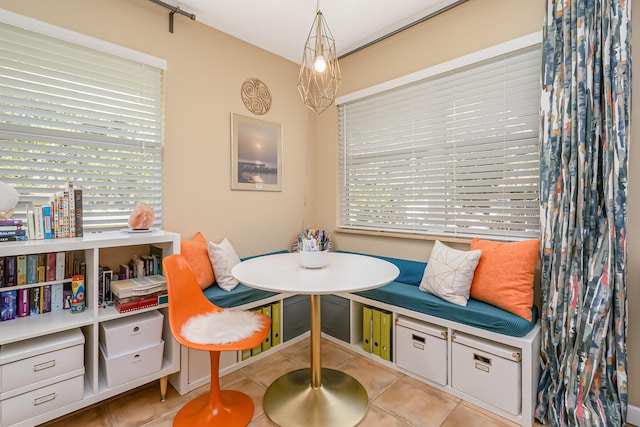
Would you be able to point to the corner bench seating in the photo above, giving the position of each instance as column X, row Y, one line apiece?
column 476, row 313
column 403, row 297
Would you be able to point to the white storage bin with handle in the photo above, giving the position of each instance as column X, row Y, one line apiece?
column 421, row 348
column 487, row 370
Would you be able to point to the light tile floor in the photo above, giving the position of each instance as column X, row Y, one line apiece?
column 396, row 400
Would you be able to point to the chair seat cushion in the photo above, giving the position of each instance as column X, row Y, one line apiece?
column 221, row 327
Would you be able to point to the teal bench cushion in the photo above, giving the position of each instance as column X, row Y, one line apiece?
column 476, row 313
column 240, row 295
column 405, row 292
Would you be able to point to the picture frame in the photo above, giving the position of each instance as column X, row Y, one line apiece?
column 256, row 154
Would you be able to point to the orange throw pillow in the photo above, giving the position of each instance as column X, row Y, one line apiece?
column 196, row 253
column 504, row 275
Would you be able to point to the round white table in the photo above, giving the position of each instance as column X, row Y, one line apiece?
column 315, row 396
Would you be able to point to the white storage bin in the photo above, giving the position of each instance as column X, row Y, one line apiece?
column 42, row 400
column 36, row 362
column 488, row 371
column 129, row 366
column 126, row 334
column 421, row 348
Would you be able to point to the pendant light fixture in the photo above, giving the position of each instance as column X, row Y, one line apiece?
column 319, row 74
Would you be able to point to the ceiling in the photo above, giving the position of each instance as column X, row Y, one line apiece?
column 282, row 26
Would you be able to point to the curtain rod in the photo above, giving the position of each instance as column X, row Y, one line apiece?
column 174, row 10
column 399, row 30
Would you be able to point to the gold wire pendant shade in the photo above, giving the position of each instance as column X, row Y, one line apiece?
column 319, row 74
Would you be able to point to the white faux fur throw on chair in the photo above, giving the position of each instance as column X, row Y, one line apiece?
column 221, row 327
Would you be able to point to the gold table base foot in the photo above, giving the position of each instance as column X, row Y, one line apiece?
column 291, row 401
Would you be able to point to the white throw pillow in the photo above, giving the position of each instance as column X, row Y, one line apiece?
column 223, row 258
column 449, row 273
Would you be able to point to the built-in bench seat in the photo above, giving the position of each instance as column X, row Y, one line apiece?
column 405, row 292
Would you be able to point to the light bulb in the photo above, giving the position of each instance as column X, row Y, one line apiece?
column 320, row 64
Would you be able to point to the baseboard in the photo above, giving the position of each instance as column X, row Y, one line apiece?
column 633, row 415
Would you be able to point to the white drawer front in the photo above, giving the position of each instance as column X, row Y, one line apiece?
column 39, row 401
column 42, row 367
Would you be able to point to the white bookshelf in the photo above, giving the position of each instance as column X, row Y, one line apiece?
column 93, row 248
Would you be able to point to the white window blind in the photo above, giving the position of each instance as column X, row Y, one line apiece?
column 70, row 113
column 455, row 154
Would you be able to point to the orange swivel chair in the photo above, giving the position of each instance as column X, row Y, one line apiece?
column 225, row 408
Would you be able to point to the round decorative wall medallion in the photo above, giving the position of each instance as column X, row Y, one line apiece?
column 256, row 96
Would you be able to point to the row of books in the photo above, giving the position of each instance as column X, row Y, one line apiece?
column 273, row 336
column 35, row 300
column 18, row 270
column 61, row 217
column 138, row 266
column 376, row 331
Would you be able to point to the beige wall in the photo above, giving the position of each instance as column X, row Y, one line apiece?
column 204, row 73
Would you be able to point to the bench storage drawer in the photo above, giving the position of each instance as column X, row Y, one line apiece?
column 421, row 348
column 479, row 366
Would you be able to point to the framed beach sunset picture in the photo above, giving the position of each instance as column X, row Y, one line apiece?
column 256, row 154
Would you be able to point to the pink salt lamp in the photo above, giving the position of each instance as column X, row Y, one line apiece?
column 142, row 217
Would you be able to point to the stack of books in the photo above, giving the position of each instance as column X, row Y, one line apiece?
column 12, row 230
column 138, row 293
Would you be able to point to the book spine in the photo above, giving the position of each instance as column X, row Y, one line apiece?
column 41, row 269
column 38, row 221
column 10, row 267
column 107, row 277
column 13, row 238
column 78, row 212
column 23, row 303
column 34, row 300
column 51, row 266
column 31, row 227
column 66, row 224
column 57, row 296
column 10, row 222
column 101, row 293
column 21, row 278
column 7, row 305
column 60, row 265
column 32, row 268
column 2, row 278
column 47, row 222
column 45, row 297
column 5, row 228
column 72, row 210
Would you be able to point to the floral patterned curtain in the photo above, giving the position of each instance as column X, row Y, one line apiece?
column 584, row 131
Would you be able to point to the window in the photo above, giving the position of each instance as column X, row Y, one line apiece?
column 455, row 153
column 88, row 113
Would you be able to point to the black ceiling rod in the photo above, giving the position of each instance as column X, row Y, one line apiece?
column 173, row 10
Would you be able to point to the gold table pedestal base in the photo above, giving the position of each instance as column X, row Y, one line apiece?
column 341, row 400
